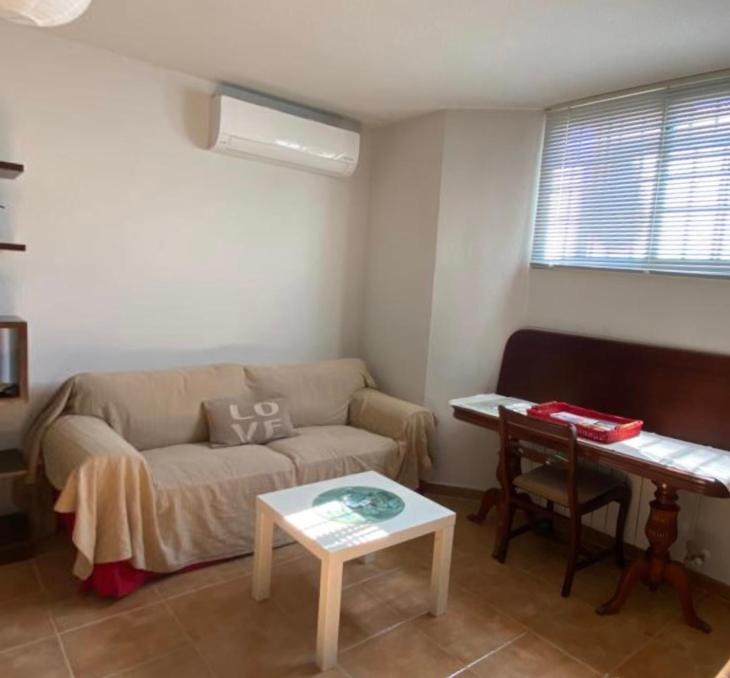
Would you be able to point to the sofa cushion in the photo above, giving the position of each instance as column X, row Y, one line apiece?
column 155, row 408
column 196, row 464
column 318, row 394
column 322, row 452
column 205, row 500
column 241, row 421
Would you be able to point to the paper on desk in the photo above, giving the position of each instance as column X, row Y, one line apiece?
column 489, row 403
column 701, row 460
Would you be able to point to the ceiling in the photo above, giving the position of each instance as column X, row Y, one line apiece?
column 381, row 60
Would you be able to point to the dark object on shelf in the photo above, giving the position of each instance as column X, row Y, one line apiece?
column 13, row 358
column 9, row 390
column 16, row 533
column 10, row 170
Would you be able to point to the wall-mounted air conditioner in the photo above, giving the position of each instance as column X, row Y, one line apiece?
column 256, row 131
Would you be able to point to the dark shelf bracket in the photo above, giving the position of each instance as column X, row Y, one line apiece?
column 10, row 170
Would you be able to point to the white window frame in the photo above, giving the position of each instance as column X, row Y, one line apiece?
column 641, row 218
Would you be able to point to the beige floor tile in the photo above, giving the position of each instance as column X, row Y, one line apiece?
column 411, row 554
column 185, row 582
column 182, row 663
column 468, row 569
column 218, row 607
column 288, row 552
column 236, row 567
column 406, row 590
column 229, row 627
column 594, row 584
column 405, row 651
column 680, row 651
column 364, row 613
column 295, row 583
column 533, row 657
column 602, row 642
column 532, row 551
column 294, row 604
column 18, row 579
column 85, row 607
column 357, row 571
column 23, row 620
column 304, row 569
column 43, row 659
column 261, row 642
column 512, row 591
column 122, row 642
column 469, row 629
column 476, row 541
column 59, row 541
column 55, row 570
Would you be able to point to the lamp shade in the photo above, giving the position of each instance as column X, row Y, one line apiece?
column 42, row 12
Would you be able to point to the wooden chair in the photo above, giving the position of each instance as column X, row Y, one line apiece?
column 559, row 481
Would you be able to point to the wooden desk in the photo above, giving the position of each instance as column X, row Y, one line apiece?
column 675, row 392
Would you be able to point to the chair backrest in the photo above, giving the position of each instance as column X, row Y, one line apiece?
column 516, row 428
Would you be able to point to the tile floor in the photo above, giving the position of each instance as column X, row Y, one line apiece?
column 502, row 620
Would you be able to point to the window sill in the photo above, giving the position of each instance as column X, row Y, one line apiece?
column 632, row 271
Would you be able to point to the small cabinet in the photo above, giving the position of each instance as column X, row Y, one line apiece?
column 13, row 358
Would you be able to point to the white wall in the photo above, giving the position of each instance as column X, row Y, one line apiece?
column 144, row 249
column 404, row 204
column 481, row 277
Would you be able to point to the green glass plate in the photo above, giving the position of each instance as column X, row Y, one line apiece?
column 358, row 505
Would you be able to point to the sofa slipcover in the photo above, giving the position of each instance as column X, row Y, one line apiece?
column 127, row 453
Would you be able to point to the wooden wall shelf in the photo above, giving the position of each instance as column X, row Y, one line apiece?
column 12, row 246
column 13, row 358
column 10, row 170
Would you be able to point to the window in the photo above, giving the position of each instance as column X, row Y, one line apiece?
column 638, row 182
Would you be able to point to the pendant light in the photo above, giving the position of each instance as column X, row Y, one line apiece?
column 42, row 12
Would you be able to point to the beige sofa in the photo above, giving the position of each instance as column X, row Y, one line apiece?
column 128, row 453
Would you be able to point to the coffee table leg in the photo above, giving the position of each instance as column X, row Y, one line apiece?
column 263, row 542
column 443, row 540
column 328, row 623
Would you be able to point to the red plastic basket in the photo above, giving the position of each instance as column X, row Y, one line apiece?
column 624, row 428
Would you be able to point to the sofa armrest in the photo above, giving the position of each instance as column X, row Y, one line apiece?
column 73, row 440
column 411, row 426
column 105, row 482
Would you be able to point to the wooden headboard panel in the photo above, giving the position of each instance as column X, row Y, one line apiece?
column 679, row 393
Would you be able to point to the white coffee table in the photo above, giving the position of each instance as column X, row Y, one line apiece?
column 335, row 542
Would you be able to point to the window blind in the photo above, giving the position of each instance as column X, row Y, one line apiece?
column 638, row 182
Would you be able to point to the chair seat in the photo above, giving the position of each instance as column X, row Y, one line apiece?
column 551, row 482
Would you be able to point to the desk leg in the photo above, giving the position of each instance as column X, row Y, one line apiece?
column 263, row 542
column 656, row 567
column 328, row 622
column 490, row 499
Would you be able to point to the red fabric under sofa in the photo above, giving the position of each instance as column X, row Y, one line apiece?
column 116, row 580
